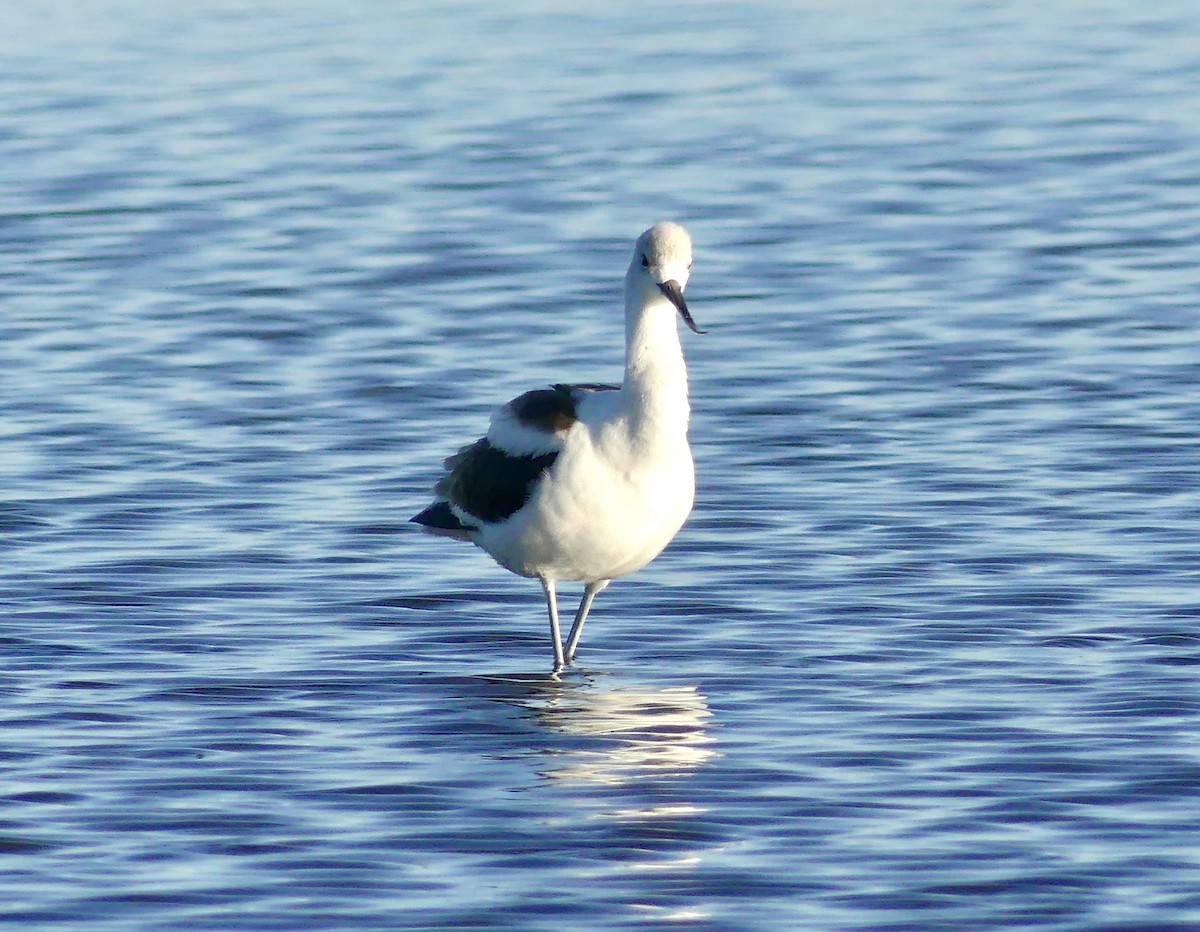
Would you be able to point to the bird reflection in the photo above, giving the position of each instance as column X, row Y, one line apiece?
column 624, row 750
column 633, row 732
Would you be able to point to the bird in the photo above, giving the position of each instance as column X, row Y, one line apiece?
column 587, row 482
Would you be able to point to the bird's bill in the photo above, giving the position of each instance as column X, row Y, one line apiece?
column 675, row 295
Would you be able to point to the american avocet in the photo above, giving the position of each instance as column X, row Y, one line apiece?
column 587, row 482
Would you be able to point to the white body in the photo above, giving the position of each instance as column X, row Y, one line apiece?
column 615, row 497
column 623, row 482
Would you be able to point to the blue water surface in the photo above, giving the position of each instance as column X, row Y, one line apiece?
column 925, row 656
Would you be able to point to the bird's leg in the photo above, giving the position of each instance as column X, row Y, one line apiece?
column 555, row 631
column 589, row 593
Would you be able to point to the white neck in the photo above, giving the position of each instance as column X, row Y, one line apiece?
column 655, row 387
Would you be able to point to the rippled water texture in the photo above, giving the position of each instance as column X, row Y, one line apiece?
column 925, row 657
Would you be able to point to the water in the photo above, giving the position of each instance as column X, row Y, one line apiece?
column 924, row 657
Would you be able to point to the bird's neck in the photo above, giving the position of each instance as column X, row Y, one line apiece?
column 655, row 384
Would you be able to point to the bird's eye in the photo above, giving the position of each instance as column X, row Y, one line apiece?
column 645, row 262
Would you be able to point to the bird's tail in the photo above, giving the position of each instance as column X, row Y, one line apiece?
column 440, row 520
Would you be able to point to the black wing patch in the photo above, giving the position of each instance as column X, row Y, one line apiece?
column 490, row 484
column 548, row 409
column 582, row 388
column 552, row 410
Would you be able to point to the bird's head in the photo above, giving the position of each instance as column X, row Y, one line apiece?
column 662, row 262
